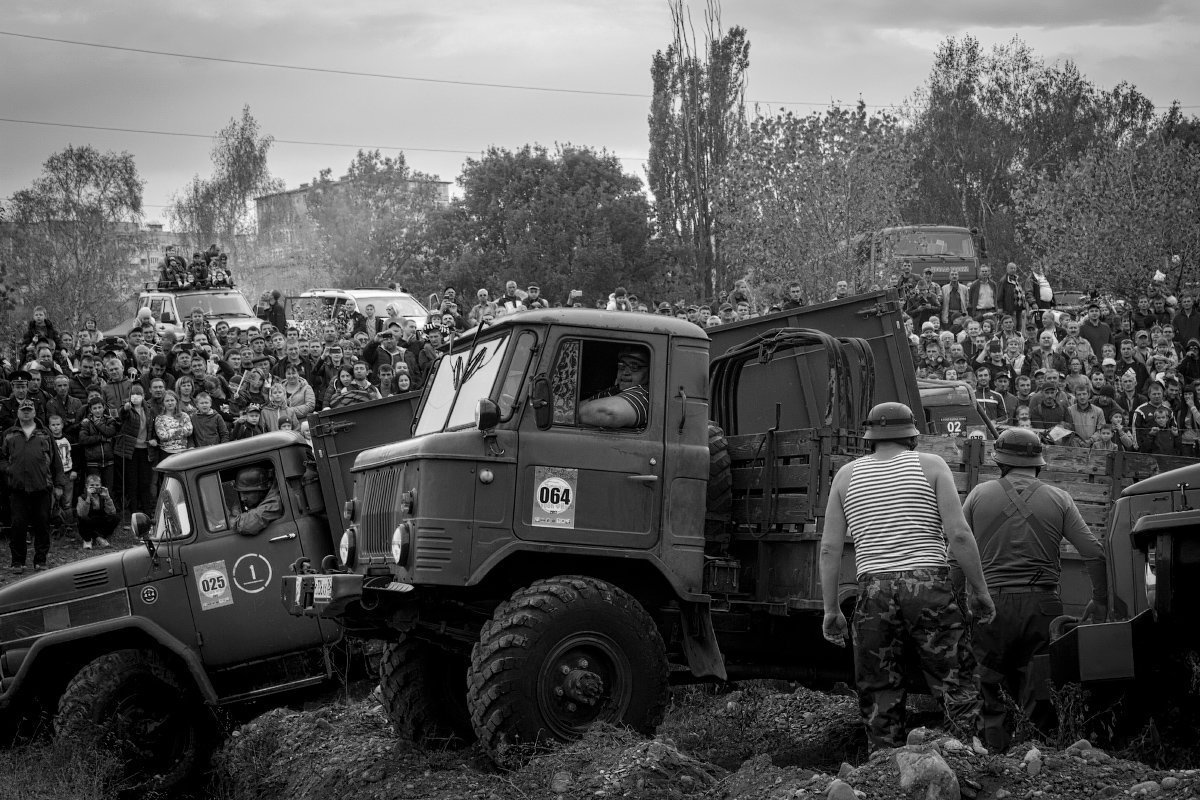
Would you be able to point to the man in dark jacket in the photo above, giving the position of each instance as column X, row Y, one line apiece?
column 1011, row 296
column 33, row 469
column 983, row 294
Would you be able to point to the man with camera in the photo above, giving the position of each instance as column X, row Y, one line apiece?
column 97, row 514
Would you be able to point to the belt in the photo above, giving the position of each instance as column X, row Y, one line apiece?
column 1037, row 587
column 932, row 572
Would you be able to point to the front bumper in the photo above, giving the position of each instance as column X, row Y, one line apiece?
column 331, row 595
column 326, row 596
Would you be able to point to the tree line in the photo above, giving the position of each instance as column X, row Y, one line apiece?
column 1094, row 187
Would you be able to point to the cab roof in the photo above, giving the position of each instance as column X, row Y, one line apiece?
column 626, row 321
column 212, row 454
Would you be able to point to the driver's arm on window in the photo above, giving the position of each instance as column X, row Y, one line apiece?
column 608, row 412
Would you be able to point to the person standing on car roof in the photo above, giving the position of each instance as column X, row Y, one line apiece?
column 900, row 508
column 1019, row 524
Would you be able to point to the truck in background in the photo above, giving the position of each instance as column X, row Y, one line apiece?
column 941, row 248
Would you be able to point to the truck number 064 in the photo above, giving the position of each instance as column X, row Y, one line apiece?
column 554, row 495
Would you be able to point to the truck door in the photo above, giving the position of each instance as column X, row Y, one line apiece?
column 580, row 484
column 234, row 579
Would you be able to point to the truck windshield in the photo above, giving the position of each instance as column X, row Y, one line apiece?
column 215, row 304
column 458, row 382
column 934, row 243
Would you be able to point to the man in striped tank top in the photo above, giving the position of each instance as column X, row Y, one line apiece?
column 901, row 508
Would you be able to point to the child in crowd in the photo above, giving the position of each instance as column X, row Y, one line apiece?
column 1104, row 438
column 60, row 510
column 249, row 423
column 1161, row 438
column 208, row 427
column 96, row 433
column 96, row 512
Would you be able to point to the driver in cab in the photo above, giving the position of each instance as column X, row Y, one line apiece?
column 258, row 500
column 625, row 404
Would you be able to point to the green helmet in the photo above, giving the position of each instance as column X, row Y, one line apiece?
column 252, row 479
column 1019, row 447
column 890, row 421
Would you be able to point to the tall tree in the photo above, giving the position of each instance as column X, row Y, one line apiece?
column 220, row 208
column 799, row 189
column 987, row 120
column 1118, row 214
column 572, row 219
column 697, row 114
column 373, row 223
column 74, row 231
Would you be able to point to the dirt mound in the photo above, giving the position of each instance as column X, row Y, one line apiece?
column 754, row 744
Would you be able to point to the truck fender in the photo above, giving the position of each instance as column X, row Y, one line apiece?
column 700, row 641
column 160, row 637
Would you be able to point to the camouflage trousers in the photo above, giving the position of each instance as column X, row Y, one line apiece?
column 915, row 612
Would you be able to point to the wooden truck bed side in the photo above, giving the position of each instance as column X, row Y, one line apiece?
column 778, row 512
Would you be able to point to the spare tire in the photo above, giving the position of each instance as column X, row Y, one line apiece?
column 720, row 487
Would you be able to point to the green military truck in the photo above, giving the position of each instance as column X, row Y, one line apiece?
column 533, row 575
column 147, row 643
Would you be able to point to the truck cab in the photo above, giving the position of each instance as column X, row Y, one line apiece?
column 191, row 620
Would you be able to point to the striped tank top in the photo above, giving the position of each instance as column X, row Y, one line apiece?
column 893, row 516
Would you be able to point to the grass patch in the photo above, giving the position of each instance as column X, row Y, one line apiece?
column 59, row 770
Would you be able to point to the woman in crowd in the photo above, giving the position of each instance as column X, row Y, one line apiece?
column 172, row 428
column 340, row 386
column 301, row 398
column 252, row 389
column 132, row 445
column 185, row 390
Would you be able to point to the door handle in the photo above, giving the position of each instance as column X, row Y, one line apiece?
column 643, row 478
column 282, row 537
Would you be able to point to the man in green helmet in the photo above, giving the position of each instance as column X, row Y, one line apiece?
column 1019, row 523
column 258, row 497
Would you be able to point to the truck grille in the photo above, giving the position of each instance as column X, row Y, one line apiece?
column 380, row 512
column 90, row 579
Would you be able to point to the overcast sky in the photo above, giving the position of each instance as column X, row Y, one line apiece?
column 801, row 53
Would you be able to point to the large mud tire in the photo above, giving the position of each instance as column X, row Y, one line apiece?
column 720, row 486
column 133, row 702
column 559, row 656
column 424, row 691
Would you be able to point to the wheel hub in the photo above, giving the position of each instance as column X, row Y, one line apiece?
column 583, row 686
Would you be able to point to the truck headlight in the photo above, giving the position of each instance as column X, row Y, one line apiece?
column 401, row 541
column 346, row 547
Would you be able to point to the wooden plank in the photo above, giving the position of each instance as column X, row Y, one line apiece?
column 949, row 448
column 787, row 443
column 789, row 509
column 785, row 477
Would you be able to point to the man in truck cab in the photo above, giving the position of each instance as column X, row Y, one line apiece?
column 625, row 404
column 258, row 500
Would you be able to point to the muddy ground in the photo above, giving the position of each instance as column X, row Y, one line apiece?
column 762, row 742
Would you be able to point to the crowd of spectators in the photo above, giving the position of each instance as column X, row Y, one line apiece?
column 1107, row 373
column 113, row 406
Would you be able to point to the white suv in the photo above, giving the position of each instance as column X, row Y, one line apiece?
column 319, row 305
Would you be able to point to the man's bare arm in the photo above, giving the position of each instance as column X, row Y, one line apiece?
column 608, row 412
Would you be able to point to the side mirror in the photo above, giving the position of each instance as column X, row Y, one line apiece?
column 140, row 524
column 541, row 399
column 487, row 414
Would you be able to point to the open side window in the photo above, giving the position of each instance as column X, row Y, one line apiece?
column 220, row 502
column 587, row 369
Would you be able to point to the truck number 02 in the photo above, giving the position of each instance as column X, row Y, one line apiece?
column 554, row 495
column 954, row 427
column 213, row 584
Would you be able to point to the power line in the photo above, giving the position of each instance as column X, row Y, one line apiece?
column 386, row 76
column 277, row 141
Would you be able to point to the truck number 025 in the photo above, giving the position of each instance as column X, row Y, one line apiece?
column 213, row 584
column 554, row 495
